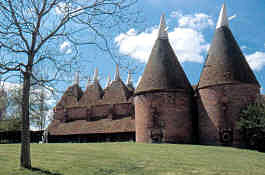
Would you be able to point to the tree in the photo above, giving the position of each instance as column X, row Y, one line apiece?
column 31, row 30
column 39, row 108
column 252, row 125
column 2, row 103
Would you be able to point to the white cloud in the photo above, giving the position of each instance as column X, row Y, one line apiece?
column 61, row 8
column 232, row 17
column 244, row 47
column 136, row 45
column 196, row 21
column 188, row 43
column 68, row 8
column 256, row 60
column 66, row 47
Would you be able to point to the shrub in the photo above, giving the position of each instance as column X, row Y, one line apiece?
column 252, row 125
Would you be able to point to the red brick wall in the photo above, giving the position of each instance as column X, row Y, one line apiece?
column 125, row 109
column 101, row 110
column 218, row 111
column 76, row 113
column 165, row 116
column 59, row 114
column 94, row 112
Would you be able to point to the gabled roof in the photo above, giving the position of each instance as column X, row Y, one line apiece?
column 225, row 63
column 163, row 72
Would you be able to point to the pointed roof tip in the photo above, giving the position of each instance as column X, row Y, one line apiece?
column 108, row 82
column 138, row 82
column 162, row 32
column 234, row 69
column 88, row 81
column 117, row 73
column 76, row 80
column 95, row 77
column 222, row 20
column 129, row 79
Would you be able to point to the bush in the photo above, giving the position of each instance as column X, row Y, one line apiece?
column 252, row 125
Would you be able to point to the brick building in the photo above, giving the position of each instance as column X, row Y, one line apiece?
column 164, row 107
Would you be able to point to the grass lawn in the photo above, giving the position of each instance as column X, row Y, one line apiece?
column 132, row 159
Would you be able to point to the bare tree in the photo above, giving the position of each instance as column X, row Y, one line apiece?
column 31, row 32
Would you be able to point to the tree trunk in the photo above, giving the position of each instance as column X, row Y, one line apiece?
column 25, row 160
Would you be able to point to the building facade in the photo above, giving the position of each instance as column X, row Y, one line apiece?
column 164, row 107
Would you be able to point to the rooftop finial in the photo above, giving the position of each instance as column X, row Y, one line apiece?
column 76, row 80
column 129, row 79
column 222, row 20
column 139, row 79
column 95, row 78
column 108, row 82
column 88, row 81
column 162, row 33
column 117, row 73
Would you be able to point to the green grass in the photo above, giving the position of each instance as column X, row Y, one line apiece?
column 133, row 159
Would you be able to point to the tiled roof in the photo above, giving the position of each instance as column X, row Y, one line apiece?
column 225, row 62
column 92, row 127
column 163, row 72
column 71, row 96
column 92, row 94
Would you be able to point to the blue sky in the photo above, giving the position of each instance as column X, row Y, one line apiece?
column 191, row 25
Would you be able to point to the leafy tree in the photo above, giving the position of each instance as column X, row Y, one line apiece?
column 39, row 107
column 252, row 125
column 10, row 125
column 32, row 30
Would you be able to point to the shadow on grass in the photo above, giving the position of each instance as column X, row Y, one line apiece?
column 44, row 171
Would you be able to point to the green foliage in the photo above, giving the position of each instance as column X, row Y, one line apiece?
column 10, row 125
column 252, row 125
column 39, row 107
column 133, row 159
column 253, row 117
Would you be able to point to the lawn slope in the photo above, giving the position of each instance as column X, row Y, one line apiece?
column 132, row 159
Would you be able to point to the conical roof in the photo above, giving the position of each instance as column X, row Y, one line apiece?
column 163, row 72
column 225, row 63
column 71, row 96
column 93, row 93
column 117, row 92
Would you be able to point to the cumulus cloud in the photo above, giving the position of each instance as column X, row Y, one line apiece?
column 232, row 17
column 256, row 60
column 196, row 21
column 244, row 47
column 66, row 47
column 188, row 42
column 61, row 8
